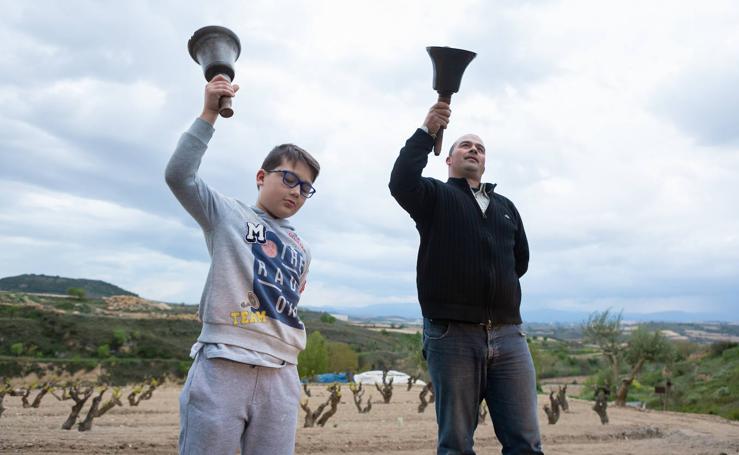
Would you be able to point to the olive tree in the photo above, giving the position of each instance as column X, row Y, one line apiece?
column 643, row 346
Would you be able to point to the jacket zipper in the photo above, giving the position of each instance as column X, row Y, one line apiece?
column 491, row 289
column 491, row 278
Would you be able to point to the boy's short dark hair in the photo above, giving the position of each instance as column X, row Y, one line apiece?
column 293, row 154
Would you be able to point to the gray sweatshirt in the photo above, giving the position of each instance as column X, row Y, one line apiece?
column 258, row 263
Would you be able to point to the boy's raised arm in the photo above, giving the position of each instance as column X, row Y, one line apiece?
column 181, row 173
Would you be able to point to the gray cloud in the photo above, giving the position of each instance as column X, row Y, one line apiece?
column 702, row 101
column 612, row 155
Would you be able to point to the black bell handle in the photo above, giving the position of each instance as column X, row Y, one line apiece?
column 440, row 134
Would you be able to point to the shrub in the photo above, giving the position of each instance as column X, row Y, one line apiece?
column 103, row 351
column 341, row 357
column 77, row 293
column 16, row 349
column 722, row 392
column 183, row 366
column 730, row 354
column 119, row 338
column 314, row 359
column 378, row 360
column 327, row 318
column 719, row 347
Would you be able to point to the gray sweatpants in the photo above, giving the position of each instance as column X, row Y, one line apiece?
column 228, row 405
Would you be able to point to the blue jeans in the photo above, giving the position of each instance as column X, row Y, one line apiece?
column 469, row 363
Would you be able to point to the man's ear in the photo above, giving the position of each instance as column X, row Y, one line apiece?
column 260, row 178
column 449, row 160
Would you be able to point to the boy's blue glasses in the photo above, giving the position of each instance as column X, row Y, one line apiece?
column 291, row 180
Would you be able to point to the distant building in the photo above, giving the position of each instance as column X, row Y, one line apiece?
column 340, row 317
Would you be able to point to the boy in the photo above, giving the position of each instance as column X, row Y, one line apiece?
column 243, row 389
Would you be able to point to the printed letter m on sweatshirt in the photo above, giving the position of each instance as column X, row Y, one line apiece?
column 255, row 233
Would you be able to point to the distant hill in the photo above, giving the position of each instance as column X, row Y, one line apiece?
column 409, row 311
column 412, row 312
column 553, row 315
column 45, row 284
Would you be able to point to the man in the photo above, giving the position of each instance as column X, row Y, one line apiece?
column 473, row 251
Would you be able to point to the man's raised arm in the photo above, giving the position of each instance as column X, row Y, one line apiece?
column 413, row 192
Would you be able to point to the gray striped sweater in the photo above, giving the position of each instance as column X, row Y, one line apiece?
column 258, row 263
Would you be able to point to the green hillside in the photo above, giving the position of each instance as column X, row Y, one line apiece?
column 705, row 382
column 44, row 284
column 703, row 379
column 57, row 334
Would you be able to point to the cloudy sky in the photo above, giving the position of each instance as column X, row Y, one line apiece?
column 613, row 126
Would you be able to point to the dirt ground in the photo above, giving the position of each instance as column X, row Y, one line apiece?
column 396, row 428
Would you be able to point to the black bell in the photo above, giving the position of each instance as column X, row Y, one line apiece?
column 449, row 65
column 216, row 49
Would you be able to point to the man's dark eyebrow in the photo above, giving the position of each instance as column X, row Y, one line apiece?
column 480, row 146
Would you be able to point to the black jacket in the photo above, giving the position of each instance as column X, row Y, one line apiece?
column 469, row 262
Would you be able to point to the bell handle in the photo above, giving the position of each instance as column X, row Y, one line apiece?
column 440, row 134
column 224, row 103
column 224, row 107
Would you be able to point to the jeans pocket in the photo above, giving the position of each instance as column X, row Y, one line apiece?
column 435, row 329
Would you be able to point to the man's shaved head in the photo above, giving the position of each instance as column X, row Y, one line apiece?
column 467, row 158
